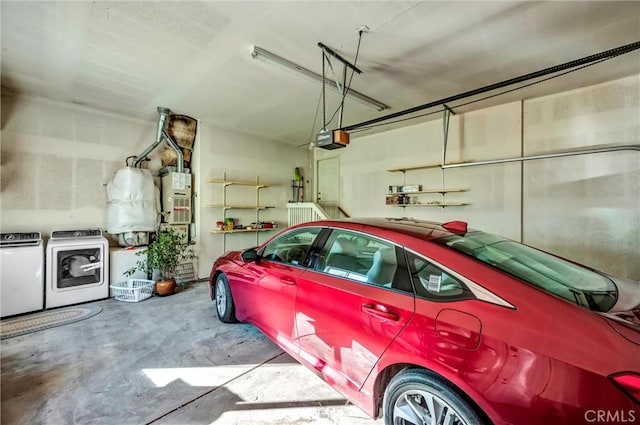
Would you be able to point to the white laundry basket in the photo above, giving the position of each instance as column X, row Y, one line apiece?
column 133, row 290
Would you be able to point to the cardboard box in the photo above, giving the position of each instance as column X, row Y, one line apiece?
column 393, row 199
column 412, row 188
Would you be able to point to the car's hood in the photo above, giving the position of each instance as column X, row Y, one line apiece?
column 628, row 294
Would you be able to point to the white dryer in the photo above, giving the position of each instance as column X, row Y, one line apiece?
column 21, row 273
column 77, row 267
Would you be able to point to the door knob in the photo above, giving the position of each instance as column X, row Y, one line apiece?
column 380, row 312
column 287, row 280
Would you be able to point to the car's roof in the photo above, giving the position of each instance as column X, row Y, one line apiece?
column 422, row 229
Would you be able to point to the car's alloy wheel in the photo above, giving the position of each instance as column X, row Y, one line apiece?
column 224, row 300
column 421, row 407
column 221, row 297
column 419, row 397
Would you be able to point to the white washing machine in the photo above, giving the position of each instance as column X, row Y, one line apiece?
column 77, row 268
column 21, row 273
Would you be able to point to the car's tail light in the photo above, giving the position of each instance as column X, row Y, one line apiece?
column 629, row 383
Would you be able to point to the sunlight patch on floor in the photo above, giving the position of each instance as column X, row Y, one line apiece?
column 196, row 376
column 213, row 376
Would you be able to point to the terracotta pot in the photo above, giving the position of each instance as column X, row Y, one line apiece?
column 165, row 287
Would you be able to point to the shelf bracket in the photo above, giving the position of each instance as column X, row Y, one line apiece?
column 445, row 128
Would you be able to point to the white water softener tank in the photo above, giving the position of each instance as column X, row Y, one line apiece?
column 132, row 207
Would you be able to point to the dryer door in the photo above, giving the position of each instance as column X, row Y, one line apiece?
column 78, row 267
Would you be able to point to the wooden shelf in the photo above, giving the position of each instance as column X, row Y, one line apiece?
column 245, row 230
column 422, row 167
column 239, row 207
column 238, row 183
column 443, row 204
column 225, row 205
column 426, row 191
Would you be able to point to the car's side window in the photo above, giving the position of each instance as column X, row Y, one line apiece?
column 433, row 283
column 291, row 248
column 361, row 258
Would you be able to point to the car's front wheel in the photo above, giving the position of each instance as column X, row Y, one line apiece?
column 224, row 300
column 417, row 397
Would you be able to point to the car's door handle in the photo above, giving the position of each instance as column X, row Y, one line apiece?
column 287, row 280
column 380, row 311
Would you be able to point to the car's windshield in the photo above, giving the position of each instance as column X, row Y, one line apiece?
column 572, row 282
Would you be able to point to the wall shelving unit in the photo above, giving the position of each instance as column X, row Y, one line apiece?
column 225, row 206
column 242, row 231
column 429, row 203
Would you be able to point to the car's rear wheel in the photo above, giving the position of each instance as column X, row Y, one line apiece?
column 417, row 397
column 225, row 307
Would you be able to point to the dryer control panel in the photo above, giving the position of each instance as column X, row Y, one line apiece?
column 73, row 234
column 13, row 239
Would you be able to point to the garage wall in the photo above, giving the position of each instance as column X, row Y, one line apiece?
column 585, row 207
column 492, row 192
column 242, row 157
column 547, row 203
column 57, row 159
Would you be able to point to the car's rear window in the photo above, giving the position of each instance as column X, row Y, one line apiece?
column 570, row 281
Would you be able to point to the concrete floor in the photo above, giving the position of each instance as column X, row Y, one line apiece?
column 162, row 361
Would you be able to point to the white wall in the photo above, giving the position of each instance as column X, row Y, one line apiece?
column 585, row 208
column 492, row 192
column 57, row 159
column 245, row 158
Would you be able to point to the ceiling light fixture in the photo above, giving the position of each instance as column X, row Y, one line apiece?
column 273, row 59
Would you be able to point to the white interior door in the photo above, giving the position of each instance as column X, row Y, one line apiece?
column 328, row 196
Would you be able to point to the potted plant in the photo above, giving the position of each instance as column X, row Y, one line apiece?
column 163, row 255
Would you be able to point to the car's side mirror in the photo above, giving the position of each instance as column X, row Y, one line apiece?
column 249, row 255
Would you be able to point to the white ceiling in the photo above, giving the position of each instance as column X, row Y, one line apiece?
column 194, row 57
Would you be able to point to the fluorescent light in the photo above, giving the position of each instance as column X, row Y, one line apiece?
column 273, row 59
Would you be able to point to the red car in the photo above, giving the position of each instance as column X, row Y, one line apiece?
column 432, row 323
